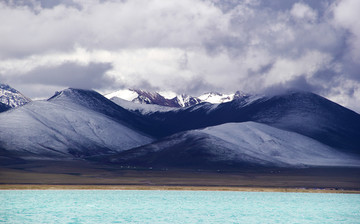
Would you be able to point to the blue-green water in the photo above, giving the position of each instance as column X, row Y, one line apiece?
column 105, row 206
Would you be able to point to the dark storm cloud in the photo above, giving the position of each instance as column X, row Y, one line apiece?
column 70, row 74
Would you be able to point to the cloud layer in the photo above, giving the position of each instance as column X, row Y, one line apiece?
column 188, row 46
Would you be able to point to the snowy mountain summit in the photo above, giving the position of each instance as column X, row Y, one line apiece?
column 172, row 99
column 11, row 97
column 216, row 98
column 147, row 97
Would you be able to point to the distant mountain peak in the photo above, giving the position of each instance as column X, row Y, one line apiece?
column 11, row 97
column 148, row 97
column 171, row 99
column 185, row 100
column 71, row 93
column 216, row 98
column 239, row 94
column 8, row 88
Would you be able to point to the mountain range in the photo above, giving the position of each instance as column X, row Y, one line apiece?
column 151, row 129
column 170, row 99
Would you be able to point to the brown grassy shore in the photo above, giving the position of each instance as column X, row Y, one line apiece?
column 85, row 175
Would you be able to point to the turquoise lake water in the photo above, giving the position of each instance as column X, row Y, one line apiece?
column 106, row 206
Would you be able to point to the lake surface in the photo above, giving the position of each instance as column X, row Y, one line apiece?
column 107, row 206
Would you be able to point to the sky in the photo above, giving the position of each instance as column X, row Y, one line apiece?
column 187, row 46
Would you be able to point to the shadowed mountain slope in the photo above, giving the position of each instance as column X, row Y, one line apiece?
column 247, row 144
column 301, row 112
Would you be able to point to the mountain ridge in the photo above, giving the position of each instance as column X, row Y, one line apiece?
column 11, row 97
column 177, row 100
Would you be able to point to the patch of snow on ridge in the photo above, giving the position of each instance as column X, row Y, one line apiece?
column 278, row 146
column 11, row 97
column 216, row 98
column 125, row 94
column 186, row 101
column 142, row 108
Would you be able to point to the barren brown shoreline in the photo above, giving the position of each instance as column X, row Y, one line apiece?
column 169, row 188
column 60, row 175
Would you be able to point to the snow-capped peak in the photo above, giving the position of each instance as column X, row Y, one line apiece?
column 215, row 98
column 142, row 97
column 11, row 97
column 181, row 99
column 125, row 94
column 185, row 100
column 171, row 99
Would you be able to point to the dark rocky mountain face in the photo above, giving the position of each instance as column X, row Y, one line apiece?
column 313, row 116
column 153, row 98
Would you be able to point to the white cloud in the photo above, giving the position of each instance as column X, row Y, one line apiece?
column 304, row 12
column 346, row 15
column 189, row 46
column 285, row 70
column 108, row 25
column 345, row 92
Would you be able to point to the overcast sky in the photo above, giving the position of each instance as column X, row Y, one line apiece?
column 187, row 46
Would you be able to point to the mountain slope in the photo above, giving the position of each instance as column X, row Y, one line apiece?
column 11, row 97
column 304, row 113
column 235, row 145
column 312, row 116
column 73, row 123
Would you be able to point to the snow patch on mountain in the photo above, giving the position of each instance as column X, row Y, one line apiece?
column 186, row 101
column 141, row 108
column 125, row 94
column 216, row 98
column 11, row 97
column 168, row 99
